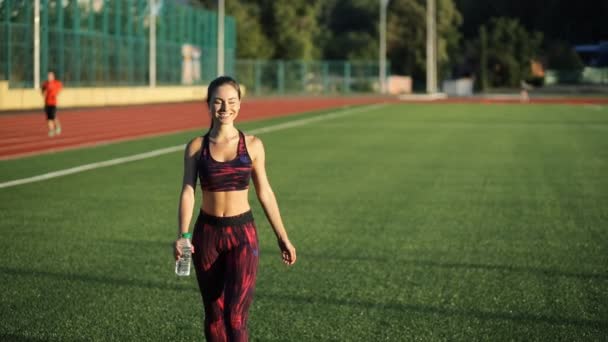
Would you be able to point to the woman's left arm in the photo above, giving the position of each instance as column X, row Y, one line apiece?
column 268, row 200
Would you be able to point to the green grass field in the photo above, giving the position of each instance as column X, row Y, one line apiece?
column 412, row 222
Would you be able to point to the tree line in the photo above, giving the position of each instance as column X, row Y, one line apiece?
column 492, row 39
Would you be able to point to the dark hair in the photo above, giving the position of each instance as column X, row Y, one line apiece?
column 218, row 82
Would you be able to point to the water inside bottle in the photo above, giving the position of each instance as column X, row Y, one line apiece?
column 182, row 265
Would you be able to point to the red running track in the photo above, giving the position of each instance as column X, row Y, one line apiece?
column 25, row 133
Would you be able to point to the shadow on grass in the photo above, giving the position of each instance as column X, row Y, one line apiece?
column 171, row 285
column 405, row 309
column 402, row 308
column 20, row 338
column 539, row 271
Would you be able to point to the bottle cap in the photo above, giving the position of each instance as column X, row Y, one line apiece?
column 186, row 235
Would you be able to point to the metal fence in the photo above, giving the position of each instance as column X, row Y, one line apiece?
column 586, row 76
column 288, row 77
column 107, row 42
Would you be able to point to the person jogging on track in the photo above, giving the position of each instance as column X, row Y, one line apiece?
column 50, row 91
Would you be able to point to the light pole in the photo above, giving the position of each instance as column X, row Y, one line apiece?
column 37, row 44
column 220, row 38
column 382, row 52
column 152, row 52
column 431, row 48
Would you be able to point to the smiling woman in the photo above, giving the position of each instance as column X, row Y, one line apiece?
column 225, row 242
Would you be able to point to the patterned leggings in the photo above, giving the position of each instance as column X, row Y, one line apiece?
column 226, row 262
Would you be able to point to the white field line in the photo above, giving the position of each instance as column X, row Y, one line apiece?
column 155, row 153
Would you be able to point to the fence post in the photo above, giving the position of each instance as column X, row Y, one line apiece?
column 75, row 58
column 347, row 77
column 118, row 49
column 220, row 37
column 258, row 76
column 131, row 49
column 7, row 20
column 483, row 59
column 388, row 76
column 281, row 76
column 152, row 44
column 44, row 37
column 106, row 52
column 60, row 42
column 92, row 47
column 303, row 71
column 325, row 68
column 161, row 59
column 141, row 45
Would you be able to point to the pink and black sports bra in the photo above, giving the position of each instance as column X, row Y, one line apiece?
column 232, row 175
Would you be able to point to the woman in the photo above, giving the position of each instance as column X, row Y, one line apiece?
column 225, row 243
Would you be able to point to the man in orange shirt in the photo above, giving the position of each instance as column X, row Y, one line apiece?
column 50, row 90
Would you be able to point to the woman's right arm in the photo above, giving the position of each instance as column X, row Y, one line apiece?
column 186, row 200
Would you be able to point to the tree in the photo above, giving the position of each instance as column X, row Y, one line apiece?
column 575, row 22
column 449, row 21
column 561, row 56
column 510, row 48
column 343, row 29
column 352, row 27
column 406, row 36
column 252, row 41
column 274, row 29
column 293, row 27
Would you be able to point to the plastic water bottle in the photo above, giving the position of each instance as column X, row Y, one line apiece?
column 182, row 265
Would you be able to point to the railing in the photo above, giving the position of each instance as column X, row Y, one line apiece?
column 263, row 77
column 107, row 43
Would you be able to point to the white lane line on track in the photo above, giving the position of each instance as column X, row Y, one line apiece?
column 155, row 153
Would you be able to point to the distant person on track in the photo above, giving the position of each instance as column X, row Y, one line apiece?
column 535, row 79
column 225, row 242
column 50, row 91
column 524, row 91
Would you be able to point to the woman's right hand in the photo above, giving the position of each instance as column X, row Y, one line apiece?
column 177, row 249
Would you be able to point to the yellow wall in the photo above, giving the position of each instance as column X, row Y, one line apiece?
column 17, row 99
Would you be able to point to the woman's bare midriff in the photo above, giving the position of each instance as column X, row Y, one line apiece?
column 225, row 203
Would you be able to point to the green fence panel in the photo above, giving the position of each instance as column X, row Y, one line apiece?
column 587, row 75
column 5, row 36
column 106, row 43
column 16, row 30
column 264, row 77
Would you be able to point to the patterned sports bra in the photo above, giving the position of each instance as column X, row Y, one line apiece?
column 232, row 175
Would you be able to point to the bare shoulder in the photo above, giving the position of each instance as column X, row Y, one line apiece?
column 194, row 146
column 254, row 146
column 253, row 143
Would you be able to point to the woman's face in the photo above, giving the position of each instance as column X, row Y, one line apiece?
column 225, row 104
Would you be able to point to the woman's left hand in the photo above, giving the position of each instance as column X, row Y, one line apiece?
column 288, row 252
